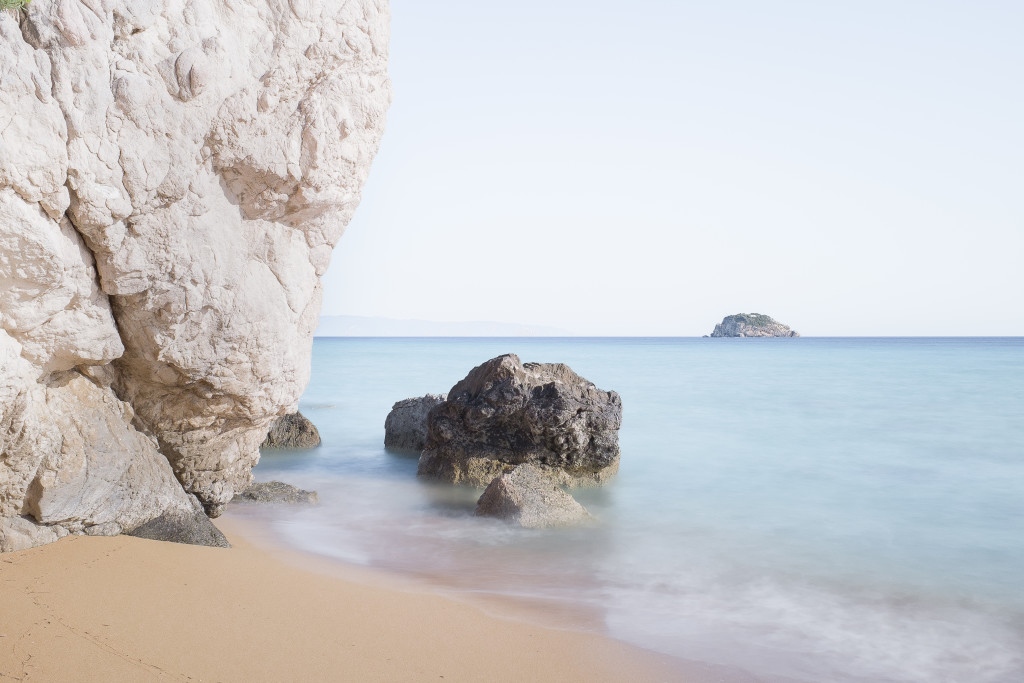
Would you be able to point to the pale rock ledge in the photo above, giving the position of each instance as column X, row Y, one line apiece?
column 173, row 178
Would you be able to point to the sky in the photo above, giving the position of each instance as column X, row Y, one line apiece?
column 646, row 168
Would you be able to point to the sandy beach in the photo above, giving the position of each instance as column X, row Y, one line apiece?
column 126, row 609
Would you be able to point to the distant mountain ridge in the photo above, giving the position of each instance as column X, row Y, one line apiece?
column 364, row 326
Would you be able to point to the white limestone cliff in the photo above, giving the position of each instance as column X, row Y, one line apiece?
column 173, row 178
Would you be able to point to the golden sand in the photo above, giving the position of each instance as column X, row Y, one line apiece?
column 127, row 609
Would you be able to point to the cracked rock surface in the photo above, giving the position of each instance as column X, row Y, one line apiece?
column 506, row 413
column 173, row 178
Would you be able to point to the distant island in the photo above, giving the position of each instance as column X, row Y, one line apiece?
column 752, row 325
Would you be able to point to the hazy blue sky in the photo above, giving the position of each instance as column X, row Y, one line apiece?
column 649, row 167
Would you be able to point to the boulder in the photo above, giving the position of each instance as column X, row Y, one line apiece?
column 192, row 527
column 506, row 413
column 22, row 533
column 405, row 428
column 752, row 325
column 292, row 431
column 276, row 492
column 71, row 460
column 527, row 497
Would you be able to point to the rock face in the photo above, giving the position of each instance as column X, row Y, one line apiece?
column 292, row 431
column 276, row 492
column 752, row 325
column 173, row 178
column 527, row 497
column 405, row 427
column 506, row 413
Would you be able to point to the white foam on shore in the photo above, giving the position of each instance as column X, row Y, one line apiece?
column 783, row 626
column 777, row 624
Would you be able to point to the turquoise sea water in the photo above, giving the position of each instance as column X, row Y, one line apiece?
column 822, row 509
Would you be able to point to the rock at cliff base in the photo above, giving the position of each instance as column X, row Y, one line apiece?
column 506, row 413
column 292, row 431
column 276, row 492
column 752, row 325
column 405, row 428
column 22, row 533
column 527, row 497
column 177, row 526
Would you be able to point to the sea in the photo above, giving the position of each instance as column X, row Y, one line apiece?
column 811, row 509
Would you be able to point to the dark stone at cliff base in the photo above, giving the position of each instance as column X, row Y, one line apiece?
column 527, row 497
column 752, row 325
column 405, row 428
column 292, row 431
column 506, row 413
column 182, row 527
column 276, row 492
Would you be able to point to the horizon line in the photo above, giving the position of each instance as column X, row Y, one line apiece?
column 666, row 336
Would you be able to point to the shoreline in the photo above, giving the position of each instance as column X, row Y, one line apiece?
column 537, row 612
column 124, row 608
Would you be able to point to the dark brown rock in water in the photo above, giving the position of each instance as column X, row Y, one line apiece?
column 276, row 492
column 405, row 428
column 506, row 413
column 292, row 431
column 527, row 497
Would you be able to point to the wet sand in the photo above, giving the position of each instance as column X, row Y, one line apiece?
column 120, row 609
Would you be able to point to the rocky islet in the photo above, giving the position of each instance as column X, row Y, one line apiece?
column 752, row 325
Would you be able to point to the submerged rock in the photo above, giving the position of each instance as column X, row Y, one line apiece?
column 506, row 413
column 276, row 492
column 527, row 497
column 405, row 428
column 752, row 325
column 292, row 431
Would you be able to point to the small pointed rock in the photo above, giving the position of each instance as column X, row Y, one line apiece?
column 528, row 498
column 292, row 431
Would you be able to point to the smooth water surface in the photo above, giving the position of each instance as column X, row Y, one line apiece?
column 826, row 509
